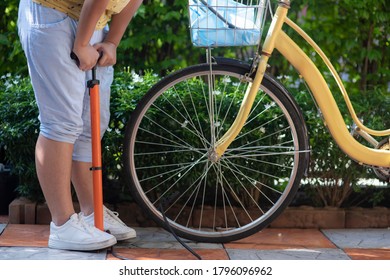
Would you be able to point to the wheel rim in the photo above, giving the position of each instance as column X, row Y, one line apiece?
column 170, row 157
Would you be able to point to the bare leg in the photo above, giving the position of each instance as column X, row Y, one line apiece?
column 53, row 161
column 83, row 184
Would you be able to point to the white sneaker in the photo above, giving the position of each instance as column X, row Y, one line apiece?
column 78, row 235
column 114, row 225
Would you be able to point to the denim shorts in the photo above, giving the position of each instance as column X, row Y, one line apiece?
column 47, row 37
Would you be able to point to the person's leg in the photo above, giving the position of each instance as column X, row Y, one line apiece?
column 83, row 184
column 68, row 230
column 58, row 86
column 53, row 164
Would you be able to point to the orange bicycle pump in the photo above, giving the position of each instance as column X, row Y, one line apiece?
column 94, row 95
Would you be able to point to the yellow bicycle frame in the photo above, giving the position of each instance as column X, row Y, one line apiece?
column 278, row 39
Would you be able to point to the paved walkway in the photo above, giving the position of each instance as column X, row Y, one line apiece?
column 25, row 242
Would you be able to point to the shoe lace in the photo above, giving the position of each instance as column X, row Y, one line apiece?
column 111, row 216
column 82, row 223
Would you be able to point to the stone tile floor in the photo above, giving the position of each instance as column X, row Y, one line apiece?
column 25, row 242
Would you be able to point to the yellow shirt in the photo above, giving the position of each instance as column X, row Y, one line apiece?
column 73, row 8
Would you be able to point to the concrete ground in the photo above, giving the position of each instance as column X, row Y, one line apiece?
column 27, row 242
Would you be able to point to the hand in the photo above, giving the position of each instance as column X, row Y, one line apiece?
column 87, row 56
column 108, row 51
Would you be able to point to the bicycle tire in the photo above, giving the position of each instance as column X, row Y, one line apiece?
column 166, row 154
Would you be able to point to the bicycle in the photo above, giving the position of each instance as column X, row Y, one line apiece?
column 219, row 149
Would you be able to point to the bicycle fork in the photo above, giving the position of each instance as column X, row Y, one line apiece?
column 276, row 26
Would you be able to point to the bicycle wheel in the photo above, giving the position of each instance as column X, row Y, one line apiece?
column 167, row 144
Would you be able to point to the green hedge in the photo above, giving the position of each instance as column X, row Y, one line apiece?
column 332, row 177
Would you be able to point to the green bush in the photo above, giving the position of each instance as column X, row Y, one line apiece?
column 333, row 176
column 127, row 89
column 19, row 130
column 329, row 167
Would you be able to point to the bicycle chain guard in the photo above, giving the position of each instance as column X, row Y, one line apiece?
column 382, row 172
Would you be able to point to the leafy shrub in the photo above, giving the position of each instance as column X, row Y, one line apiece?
column 332, row 177
column 19, row 130
column 127, row 89
column 19, row 127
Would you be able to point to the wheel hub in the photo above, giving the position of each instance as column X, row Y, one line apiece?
column 213, row 156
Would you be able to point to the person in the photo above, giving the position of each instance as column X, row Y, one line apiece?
column 49, row 31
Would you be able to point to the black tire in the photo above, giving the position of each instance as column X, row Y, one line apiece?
column 166, row 154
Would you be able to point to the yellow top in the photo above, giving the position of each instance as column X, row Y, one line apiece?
column 73, row 8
